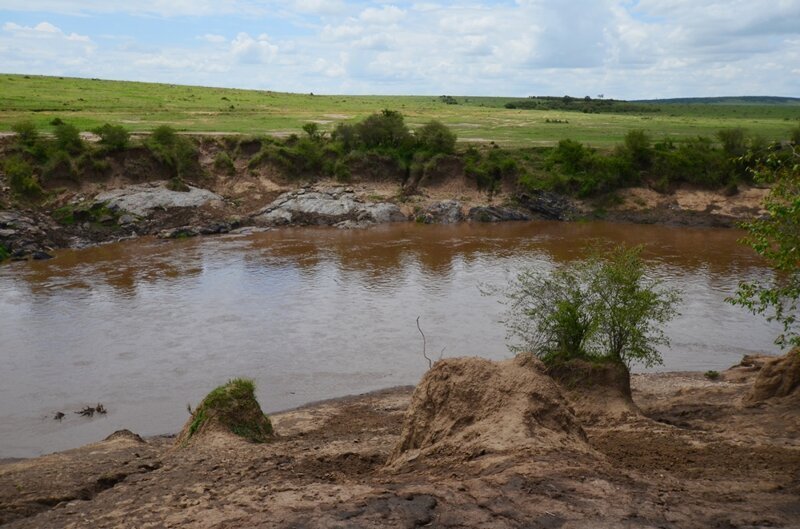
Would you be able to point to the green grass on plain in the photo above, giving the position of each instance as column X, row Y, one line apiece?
column 88, row 103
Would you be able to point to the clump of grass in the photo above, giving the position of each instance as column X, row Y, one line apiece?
column 93, row 213
column 21, row 179
column 711, row 374
column 176, row 152
column 177, row 184
column 4, row 253
column 233, row 407
column 224, row 164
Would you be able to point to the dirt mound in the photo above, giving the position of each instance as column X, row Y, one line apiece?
column 597, row 391
column 778, row 377
column 231, row 408
column 468, row 407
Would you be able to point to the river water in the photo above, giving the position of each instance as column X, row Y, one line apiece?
column 146, row 327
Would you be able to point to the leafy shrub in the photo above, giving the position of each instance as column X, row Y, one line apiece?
column 113, row 137
column 639, row 147
column 59, row 164
column 794, row 135
column 224, row 164
column 490, row 170
column 776, row 237
column 174, row 151
column 386, row 130
column 68, row 139
column 734, row 141
column 27, row 133
column 711, row 374
column 604, row 307
column 21, row 179
column 436, row 138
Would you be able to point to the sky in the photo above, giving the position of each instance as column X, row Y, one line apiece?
column 625, row 49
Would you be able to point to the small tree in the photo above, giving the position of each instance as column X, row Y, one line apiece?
column 550, row 313
column 435, row 137
column 68, row 138
column 629, row 309
column 113, row 137
column 776, row 237
column 604, row 308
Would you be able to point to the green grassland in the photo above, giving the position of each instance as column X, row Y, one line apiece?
column 88, row 103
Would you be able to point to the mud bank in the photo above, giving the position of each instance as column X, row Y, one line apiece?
column 513, row 452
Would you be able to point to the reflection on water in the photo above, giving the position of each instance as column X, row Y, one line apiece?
column 146, row 327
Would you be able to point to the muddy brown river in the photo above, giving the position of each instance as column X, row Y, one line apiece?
column 146, row 327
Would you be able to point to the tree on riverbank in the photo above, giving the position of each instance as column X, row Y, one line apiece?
column 776, row 237
column 604, row 308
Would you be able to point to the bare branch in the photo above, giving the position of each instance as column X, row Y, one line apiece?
column 424, row 345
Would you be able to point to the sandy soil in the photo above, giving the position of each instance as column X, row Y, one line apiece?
column 698, row 455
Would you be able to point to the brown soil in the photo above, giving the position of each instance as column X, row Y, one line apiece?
column 699, row 455
column 686, row 206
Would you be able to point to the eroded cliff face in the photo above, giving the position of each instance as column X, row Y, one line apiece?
column 477, row 444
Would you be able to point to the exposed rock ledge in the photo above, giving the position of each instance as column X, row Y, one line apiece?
column 143, row 199
column 326, row 207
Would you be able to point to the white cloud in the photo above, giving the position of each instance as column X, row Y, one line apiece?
column 212, row 38
column 623, row 48
column 249, row 50
column 320, row 7
column 44, row 30
column 389, row 14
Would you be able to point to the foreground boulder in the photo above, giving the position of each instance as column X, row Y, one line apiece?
column 468, row 407
column 231, row 408
column 778, row 377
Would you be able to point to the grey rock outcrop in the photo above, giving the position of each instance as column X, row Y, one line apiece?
column 26, row 235
column 547, row 205
column 447, row 212
column 496, row 214
column 143, row 199
column 325, row 207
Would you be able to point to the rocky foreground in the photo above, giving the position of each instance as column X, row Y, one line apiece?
column 476, row 444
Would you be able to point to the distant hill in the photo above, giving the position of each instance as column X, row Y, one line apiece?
column 734, row 100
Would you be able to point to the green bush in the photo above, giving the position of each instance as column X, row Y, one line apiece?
column 604, row 308
column 21, row 179
column 113, row 137
column 794, row 135
column 59, row 164
column 68, row 139
column 436, row 138
column 27, row 133
column 386, row 130
column 639, row 147
column 224, row 164
column 174, row 151
column 491, row 169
